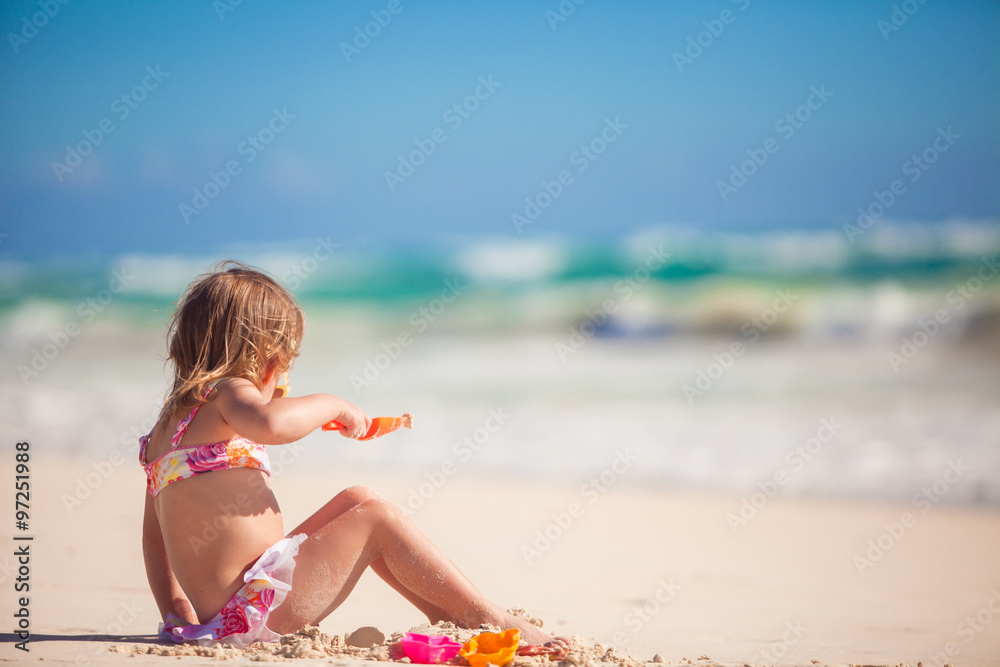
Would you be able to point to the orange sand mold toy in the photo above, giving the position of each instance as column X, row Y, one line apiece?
column 380, row 426
column 496, row 648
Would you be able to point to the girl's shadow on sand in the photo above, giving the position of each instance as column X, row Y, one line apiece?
column 38, row 637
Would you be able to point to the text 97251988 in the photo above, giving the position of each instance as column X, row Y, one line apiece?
column 22, row 550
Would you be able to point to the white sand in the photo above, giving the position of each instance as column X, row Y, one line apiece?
column 790, row 574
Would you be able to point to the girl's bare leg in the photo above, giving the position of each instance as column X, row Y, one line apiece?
column 344, row 501
column 332, row 559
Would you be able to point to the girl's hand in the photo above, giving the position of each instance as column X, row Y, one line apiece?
column 356, row 422
column 165, row 633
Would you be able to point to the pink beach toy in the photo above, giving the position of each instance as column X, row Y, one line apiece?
column 429, row 649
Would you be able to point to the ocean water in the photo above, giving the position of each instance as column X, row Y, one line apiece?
column 794, row 362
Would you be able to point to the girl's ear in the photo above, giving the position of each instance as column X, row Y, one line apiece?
column 270, row 372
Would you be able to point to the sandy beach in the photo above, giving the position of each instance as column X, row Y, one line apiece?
column 696, row 308
column 641, row 569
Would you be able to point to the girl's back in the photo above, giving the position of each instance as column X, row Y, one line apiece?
column 214, row 524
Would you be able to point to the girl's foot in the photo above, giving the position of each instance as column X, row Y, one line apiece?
column 530, row 633
column 555, row 649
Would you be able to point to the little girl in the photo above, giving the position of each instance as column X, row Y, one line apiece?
column 233, row 335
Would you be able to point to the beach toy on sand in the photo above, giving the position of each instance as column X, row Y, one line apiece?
column 380, row 426
column 429, row 649
column 496, row 648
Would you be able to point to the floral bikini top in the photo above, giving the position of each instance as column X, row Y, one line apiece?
column 183, row 462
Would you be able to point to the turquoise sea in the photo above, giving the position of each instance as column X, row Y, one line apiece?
column 716, row 360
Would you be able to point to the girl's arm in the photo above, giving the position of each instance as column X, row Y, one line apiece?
column 169, row 596
column 283, row 420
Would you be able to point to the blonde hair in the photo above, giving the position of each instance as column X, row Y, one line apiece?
column 230, row 323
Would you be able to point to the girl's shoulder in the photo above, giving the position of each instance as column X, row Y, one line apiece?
column 229, row 391
column 228, row 386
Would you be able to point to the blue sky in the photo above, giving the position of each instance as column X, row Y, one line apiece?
column 554, row 86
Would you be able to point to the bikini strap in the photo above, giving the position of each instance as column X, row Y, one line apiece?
column 182, row 425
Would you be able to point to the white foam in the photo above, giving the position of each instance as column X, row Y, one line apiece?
column 512, row 260
column 162, row 275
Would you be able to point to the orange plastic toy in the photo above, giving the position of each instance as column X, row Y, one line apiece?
column 491, row 647
column 380, row 426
